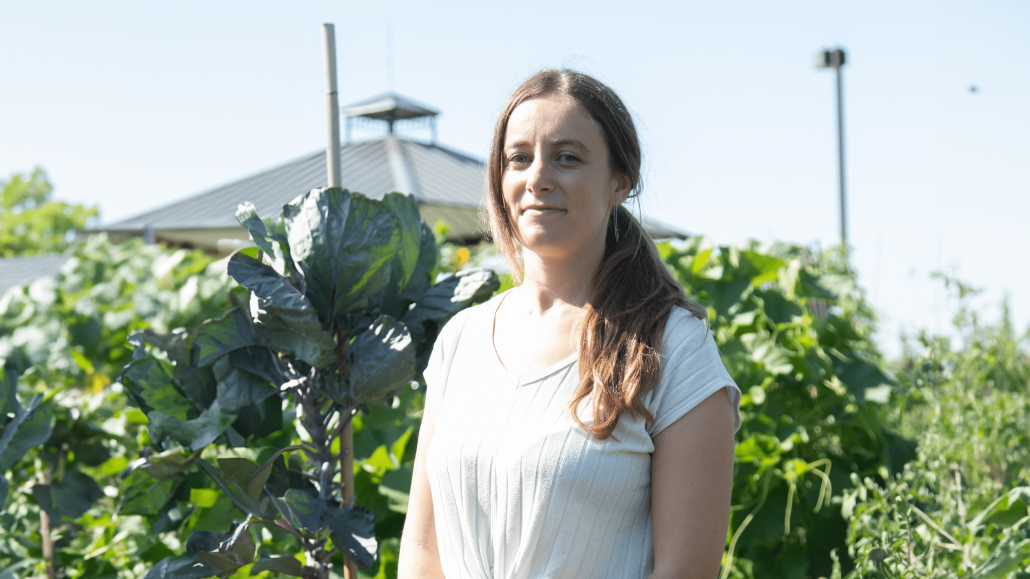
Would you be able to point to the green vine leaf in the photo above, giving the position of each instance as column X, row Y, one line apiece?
column 221, row 336
column 284, row 318
column 451, row 294
column 342, row 243
column 409, row 224
column 151, row 384
column 238, row 388
column 71, row 496
column 194, row 434
column 382, row 360
column 354, row 525
column 236, row 492
column 247, row 215
column 181, row 568
column 28, row 428
column 284, row 564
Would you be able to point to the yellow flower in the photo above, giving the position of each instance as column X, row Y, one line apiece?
column 462, row 256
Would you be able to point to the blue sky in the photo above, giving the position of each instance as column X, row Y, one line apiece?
column 130, row 105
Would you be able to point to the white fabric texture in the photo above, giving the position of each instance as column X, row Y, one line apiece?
column 519, row 490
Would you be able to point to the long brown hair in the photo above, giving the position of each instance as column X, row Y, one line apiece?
column 634, row 293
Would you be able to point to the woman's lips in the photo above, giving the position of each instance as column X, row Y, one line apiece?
column 541, row 210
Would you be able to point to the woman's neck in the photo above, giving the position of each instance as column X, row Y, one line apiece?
column 559, row 281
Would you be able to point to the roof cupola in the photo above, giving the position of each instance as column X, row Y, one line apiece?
column 390, row 108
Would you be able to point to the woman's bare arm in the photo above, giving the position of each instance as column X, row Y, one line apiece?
column 420, row 557
column 691, row 478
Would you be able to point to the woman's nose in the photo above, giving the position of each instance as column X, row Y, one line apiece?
column 540, row 179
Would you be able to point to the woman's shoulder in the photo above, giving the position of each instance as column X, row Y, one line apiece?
column 682, row 328
column 692, row 369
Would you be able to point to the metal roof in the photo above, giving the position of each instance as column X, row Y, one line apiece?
column 430, row 172
column 448, row 185
column 15, row 271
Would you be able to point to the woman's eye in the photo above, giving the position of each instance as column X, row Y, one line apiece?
column 518, row 159
column 568, row 158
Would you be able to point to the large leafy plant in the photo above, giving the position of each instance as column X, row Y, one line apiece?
column 962, row 509
column 340, row 312
column 795, row 334
column 926, row 523
column 68, row 431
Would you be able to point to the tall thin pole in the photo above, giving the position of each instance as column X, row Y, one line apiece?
column 333, row 104
column 332, row 152
column 840, row 150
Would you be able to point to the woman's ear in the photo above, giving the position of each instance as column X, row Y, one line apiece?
column 621, row 187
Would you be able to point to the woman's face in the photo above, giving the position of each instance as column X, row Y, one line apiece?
column 557, row 184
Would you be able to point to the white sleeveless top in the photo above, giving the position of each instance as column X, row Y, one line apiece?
column 520, row 491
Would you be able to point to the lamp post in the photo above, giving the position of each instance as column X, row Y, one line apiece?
column 835, row 59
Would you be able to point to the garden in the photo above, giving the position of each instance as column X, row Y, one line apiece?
column 169, row 414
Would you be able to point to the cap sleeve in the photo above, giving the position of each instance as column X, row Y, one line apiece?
column 692, row 370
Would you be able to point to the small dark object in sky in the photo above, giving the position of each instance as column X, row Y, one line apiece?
column 972, row 89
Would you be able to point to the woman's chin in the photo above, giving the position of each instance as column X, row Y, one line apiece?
column 546, row 242
column 559, row 244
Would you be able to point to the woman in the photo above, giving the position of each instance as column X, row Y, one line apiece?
column 581, row 424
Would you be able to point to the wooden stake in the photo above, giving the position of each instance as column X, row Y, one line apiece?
column 332, row 102
column 44, row 532
column 347, row 478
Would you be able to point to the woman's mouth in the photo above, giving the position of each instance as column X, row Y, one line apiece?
column 541, row 210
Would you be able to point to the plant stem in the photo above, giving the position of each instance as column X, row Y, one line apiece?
column 954, row 545
column 728, row 564
column 350, row 570
column 317, row 418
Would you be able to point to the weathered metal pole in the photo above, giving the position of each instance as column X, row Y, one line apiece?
column 332, row 102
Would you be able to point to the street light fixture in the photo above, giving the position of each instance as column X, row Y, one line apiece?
column 835, row 59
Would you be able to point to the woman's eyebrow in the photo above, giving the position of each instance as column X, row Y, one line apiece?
column 569, row 143
column 555, row 143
